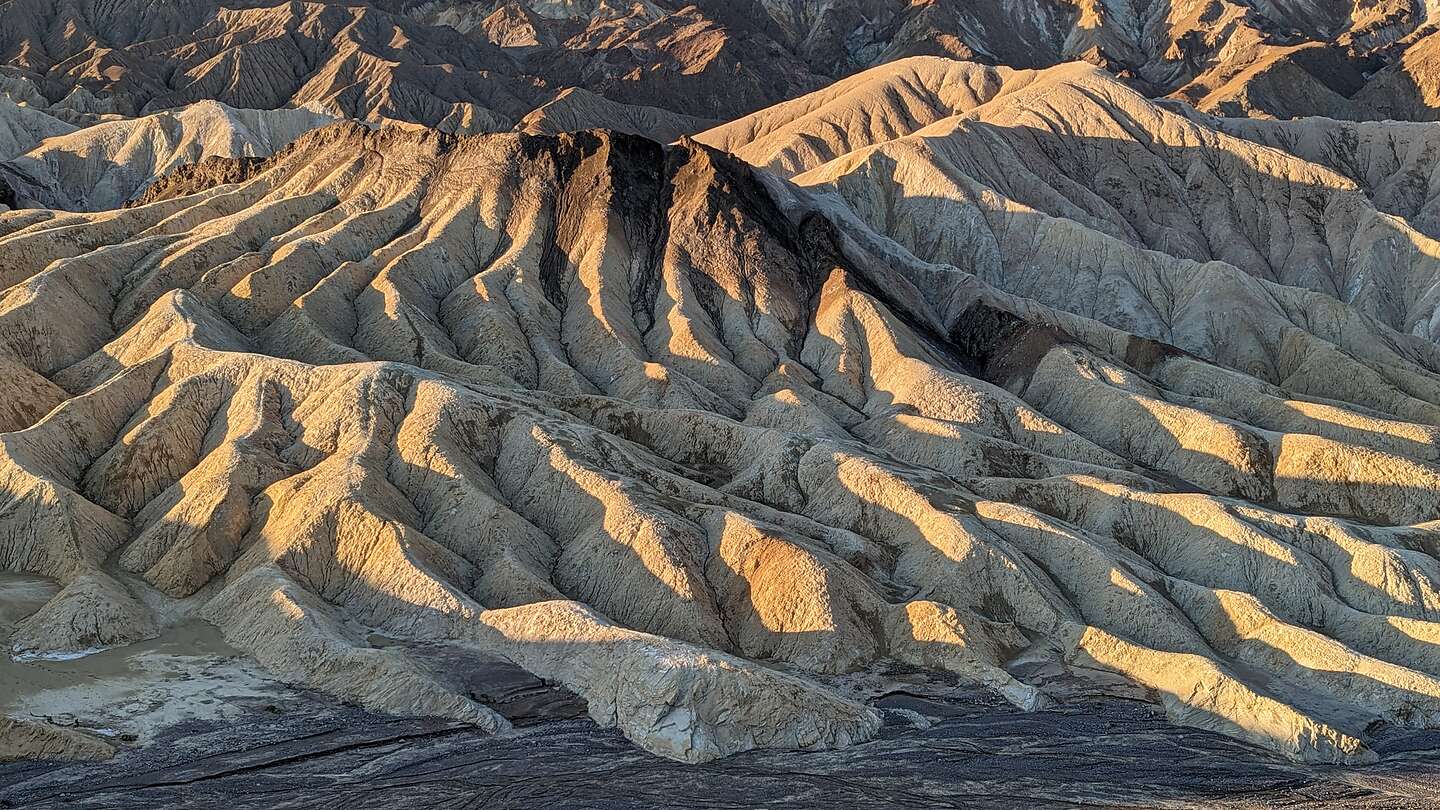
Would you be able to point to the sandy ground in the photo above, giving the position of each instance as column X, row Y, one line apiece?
column 21, row 595
column 188, row 673
column 967, row 753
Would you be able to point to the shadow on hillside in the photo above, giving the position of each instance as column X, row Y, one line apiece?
column 626, row 522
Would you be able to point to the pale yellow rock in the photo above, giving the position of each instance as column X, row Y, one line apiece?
column 107, row 164
column 692, row 441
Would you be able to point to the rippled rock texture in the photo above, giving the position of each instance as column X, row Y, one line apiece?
column 484, row 65
column 697, row 443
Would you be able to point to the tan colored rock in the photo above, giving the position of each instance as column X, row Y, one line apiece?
column 24, row 739
column 106, row 165
column 691, row 441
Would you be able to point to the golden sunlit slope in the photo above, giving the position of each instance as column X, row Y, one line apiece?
column 1119, row 173
column 688, row 440
column 870, row 107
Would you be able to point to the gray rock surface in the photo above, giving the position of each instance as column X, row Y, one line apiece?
column 966, row 753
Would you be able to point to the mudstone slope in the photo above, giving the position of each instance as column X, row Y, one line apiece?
column 108, row 164
column 694, row 440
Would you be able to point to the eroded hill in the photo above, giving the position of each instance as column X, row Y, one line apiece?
column 689, row 440
column 484, row 65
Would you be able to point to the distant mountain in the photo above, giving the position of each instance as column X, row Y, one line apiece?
column 483, row 66
column 575, row 109
column 370, row 61
column 108, row 164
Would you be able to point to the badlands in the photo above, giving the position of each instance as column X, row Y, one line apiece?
column 811, row 416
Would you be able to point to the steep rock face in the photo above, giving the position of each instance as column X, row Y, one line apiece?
column 687, row 439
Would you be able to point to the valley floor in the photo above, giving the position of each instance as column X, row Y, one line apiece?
column 298, row 750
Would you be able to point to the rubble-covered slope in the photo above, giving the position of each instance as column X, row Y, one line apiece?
column 690, row 440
